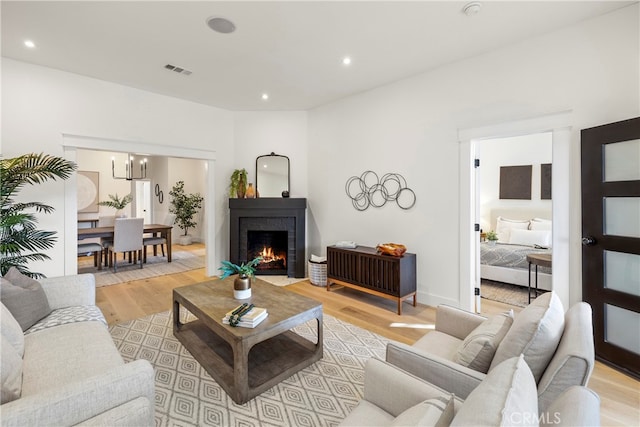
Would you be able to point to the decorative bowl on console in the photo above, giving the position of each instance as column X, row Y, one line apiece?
column 392, row 249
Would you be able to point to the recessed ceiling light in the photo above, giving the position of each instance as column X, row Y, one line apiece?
column 265, row 96
column 30, row 44
column 346, row 60
column 221, row 25
column 472, row 8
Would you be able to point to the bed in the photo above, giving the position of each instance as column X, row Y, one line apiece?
column 520, row 233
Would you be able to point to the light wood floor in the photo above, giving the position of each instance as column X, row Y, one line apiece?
column 619, row 394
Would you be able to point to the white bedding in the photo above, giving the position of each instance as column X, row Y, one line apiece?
column 508, row 264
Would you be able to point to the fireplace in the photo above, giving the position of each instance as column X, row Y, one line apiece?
column 272, row 228
column 272, row 247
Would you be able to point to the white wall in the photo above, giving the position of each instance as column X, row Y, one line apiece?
column 531, row 150
column 40, row 104
column 283, row 132
column 411, row 127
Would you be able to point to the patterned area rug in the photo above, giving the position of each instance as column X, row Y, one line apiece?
column 155, row 266
column 319, row 395
column 504, row 292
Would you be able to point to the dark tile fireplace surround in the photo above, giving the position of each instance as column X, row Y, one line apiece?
column 267, row 218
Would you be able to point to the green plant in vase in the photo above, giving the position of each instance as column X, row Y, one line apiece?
column 245, row 272
column 117, row 203
column 492, row 237
column 238, row 185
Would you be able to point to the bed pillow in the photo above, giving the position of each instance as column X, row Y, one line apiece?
column 540, row 224
column 478, row 348
column 505, row 225
column 530, row 237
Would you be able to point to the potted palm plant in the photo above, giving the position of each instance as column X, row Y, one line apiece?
column 245, row 272
column 117, row 203
column 20, row 240
column 185, row 206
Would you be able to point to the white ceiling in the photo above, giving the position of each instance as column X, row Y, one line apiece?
column 291, row 50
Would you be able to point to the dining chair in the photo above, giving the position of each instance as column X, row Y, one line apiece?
column 127, row 237
column 88, row 249
column 169, row 219
column 106, row 221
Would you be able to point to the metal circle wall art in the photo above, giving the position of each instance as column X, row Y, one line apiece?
column 370, row 190
column 159, row 194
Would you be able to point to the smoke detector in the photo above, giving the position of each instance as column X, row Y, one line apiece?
column 221, row 25
column 472, row 8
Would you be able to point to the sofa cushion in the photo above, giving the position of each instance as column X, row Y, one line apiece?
column 367, row 414
column 433, row 412
column 536, row 332
column 10, row 372
column 24, row 297
column 11, row 330
column 63, row 316
column 65, row 354
column 439, row 344
column 477, row 350
column 506, row 397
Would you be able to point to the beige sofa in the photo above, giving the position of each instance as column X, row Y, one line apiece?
column 558, row 347
column 65, row 369
column 506, row 397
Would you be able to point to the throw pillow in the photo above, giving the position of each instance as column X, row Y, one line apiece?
column 536, row 332
column 11, row 329
column 506, row 397
column 530, row 237
column 479, row 347
column 24, row 297
column 10, row 372
column 436, row 412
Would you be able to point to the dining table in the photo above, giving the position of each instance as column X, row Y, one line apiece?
column 161, row 229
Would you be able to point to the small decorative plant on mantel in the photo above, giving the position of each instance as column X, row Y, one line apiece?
column 117, row 203
column 245, row 272
column 238, row 185
column 492, row 237
column 185, row 206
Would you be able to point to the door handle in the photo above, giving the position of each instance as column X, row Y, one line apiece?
column 588, row 241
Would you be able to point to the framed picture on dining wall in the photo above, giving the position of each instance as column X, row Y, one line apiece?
column 88, row 186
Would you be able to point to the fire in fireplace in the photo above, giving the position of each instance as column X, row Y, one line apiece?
column 272, row 247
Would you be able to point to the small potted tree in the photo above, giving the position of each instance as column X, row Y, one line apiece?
column 185, row 206
column 117, row 203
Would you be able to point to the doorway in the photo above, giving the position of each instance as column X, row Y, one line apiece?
column 558, row 125
column 71, row 143
column 518, row 208
column 143, row 200
column 611, row 240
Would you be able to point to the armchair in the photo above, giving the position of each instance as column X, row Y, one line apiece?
column 558, row 347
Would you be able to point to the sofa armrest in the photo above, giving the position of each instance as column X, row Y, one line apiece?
column 394, row 390
column 456, row 322
column 440, row 372
column 76, row 402
column 572, row 363
column 577, row 406
column 68, row 291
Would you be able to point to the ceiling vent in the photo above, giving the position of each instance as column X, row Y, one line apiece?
column 179, row 70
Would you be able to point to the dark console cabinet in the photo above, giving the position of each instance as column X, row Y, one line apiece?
column 364, row 269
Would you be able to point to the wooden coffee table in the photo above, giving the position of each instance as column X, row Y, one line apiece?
column 245, row 361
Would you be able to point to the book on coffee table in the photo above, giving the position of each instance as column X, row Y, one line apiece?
column 248, row 320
